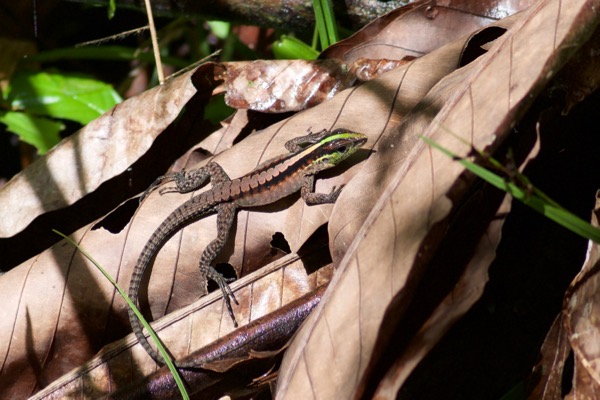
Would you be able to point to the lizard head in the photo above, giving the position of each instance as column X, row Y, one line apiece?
column 335, row 148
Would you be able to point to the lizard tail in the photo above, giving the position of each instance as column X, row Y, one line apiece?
column 158, row 240
column 178, row 219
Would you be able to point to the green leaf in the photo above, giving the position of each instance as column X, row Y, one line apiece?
column 112, row 7
column 325, row 22
column 66, row 96
column 290, row 48
column 42, row 133
column 329, row 17
column 216, row 110
column 220, row 29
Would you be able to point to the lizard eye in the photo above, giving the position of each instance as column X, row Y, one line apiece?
column 341, row 149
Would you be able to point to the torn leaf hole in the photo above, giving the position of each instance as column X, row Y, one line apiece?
column 278, row 242
column 314, row 253
column 118, row 219
column 478, row 44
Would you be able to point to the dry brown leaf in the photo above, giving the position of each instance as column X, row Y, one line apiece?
column 80, row 316
column 582, row 307
column 76, row 319
column 121, row 363
column 111, row 159
column 465, row 291
column 575, row 330
column 411, row 83
column 277, row 86
column 131, row 124
column 407, row 221
column 44, row 338
column 549, row 371
column 241, row 372
column 421, row 27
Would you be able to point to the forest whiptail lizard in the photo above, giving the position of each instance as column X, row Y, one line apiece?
column 269, row 182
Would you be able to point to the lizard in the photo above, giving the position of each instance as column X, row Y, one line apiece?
column 270, row 181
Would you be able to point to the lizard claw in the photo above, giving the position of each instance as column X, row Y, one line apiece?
column 178, row 178
column 151, row 188
column 170, row 189
column 335, row 193
column 161, row 180
column 228, row 294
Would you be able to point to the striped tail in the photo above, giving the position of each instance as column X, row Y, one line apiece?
column 187, row 213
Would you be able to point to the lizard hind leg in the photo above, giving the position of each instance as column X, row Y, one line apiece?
column 188, row 181
column 225, row 217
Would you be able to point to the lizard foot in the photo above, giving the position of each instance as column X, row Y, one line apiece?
column 335, row 193
column 161, row 180
column 228, row 294
column 151, row 188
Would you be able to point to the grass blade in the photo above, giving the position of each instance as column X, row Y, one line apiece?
column 137, row 312
column 533, row 198
column 320, row 22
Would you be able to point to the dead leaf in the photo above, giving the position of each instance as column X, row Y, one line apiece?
column 454, row 281
column 120, row 147
column 93, row 150
column 388, row 42
column 284, row 85
column 397, row 205
column 581, row 78
column 421, row 27
column 582, row 306
column 575, row 331
column 550, row 369
column 223, row 348
column 474, row 106
column 84, row 314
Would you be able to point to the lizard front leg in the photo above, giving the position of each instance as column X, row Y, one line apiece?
column 310, row 197
column 225, row 217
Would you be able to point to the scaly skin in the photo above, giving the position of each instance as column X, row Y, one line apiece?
column 269, row 182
